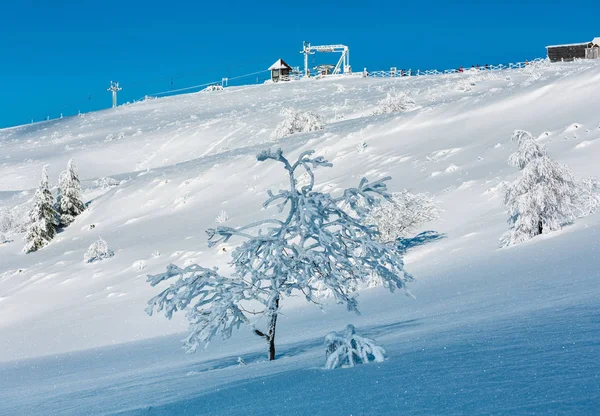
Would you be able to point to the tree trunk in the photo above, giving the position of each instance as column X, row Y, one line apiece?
column 540, row 227
column 272, row 327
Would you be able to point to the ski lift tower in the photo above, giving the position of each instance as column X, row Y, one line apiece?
column 114, row 87
column 343, row 63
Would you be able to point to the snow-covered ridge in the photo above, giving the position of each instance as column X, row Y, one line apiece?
column 180, row 161
column 184, row 159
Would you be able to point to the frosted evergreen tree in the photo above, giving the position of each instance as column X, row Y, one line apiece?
column 348, row 349
column 315, row 243
column 68, row 202
column 42, row 216
column 543, row 198
column 589, row 196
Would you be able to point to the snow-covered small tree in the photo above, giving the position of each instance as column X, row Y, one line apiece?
column 395, row 103
column 98, row 250
column 316, row 245
column 297, row 122
column 13, row 221
column 402, row 215
column 589, row 197
column 68, row 202
column 347, row 349
column 42, row 216
column 543, row 198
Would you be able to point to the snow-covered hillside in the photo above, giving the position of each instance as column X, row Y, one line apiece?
column 490, row 331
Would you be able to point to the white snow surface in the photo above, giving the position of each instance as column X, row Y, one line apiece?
column 490, row 331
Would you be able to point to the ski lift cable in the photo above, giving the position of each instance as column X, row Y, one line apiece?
column 207, row 84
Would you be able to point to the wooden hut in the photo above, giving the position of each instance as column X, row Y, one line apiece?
column 280, row 71
column 566, row 53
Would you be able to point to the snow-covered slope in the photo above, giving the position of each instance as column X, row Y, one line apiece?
column 486, row 323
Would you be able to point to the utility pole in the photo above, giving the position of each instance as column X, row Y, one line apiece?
column 114, row 87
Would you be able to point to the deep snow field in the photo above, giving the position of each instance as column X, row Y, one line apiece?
column 490, row 331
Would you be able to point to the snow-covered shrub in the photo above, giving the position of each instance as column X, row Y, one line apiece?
column 314, row 242
column 68, row 202
column 212, row 88
column 297, row 122
column 534, row 69
column 42, row 217
column 544, row 197
column 402, row 215
column 347, row 349
column 13, row 221
column 99, row 250
column 106, row 183
column 394, row 103
column 222, row 217
column 589, row 197
column 361, row 147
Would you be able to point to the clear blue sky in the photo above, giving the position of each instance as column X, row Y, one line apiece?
column 59, row 56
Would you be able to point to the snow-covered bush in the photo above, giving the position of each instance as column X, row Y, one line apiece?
column 297, row 122
column 42, row 216
column 589, row 197
column 534, row 69
column 347, row 349
column 106, row 183
column 394, row 103
column 222, row 217
column 402, row 215
column 212, row 88
column 68, row 202
column 315, row 242
column 13, row 221
column 544, row 197
column 99, row 250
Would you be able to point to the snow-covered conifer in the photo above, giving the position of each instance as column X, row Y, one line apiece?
column 98, row 250
column 317, row 244
column 347, row 349
column 68, row 202
column 402, row 215
column 589, row 196
column 297, row 122
column 543, row 198
column 42, row 216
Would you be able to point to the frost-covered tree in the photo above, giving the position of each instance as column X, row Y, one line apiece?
column 42, row 216
column 13, row 221
column 543, row 198
column 316, row 242
column 347, row 349
column 98, row 250
column 589, row 197
column 402, row 215
column 297, row 122
column 68, row 202
column 394, row 103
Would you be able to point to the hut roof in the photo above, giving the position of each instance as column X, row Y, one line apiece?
column 279, row 64
column 570, row 44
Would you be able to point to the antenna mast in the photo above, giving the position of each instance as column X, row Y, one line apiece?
column 114, row 87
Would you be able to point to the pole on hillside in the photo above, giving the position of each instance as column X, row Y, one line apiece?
column 114, row 87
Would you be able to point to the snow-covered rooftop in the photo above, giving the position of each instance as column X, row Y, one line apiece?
column 570, row 44
column 279, row 64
